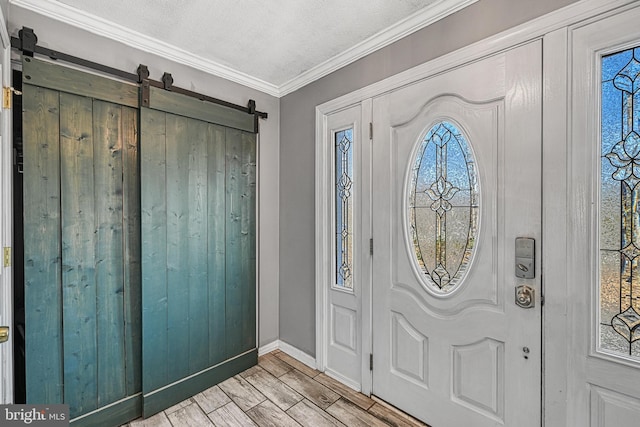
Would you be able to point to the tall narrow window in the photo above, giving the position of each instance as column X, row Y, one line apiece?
column 344, row 207
column 620, row 204
column 444, row 200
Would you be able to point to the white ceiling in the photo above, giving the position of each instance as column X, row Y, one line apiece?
column 275, row 46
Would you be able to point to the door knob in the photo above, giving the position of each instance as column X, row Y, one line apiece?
column 525, row 296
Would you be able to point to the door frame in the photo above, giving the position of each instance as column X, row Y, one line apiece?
column 552, row 29
column 6, row 221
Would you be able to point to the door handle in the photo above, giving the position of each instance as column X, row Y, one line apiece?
column 525, row 296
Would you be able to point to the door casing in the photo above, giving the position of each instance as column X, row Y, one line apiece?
column 6, row 221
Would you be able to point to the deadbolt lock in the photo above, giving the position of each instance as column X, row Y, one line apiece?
column 525, row 296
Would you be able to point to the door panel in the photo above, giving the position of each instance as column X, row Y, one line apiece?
column 348, row 201
column 603, row 310
column 81, row 296
column 198, row 252
column 450, row 345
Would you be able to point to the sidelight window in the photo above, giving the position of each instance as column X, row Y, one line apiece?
column 344, row 207
column 620, row 204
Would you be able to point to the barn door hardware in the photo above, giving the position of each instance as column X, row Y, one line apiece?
column 167, row 81
column 26, row 42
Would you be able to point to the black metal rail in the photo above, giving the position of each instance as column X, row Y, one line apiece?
column 27, row 43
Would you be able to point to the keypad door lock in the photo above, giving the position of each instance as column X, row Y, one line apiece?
column 525, row 267
column 525, row 296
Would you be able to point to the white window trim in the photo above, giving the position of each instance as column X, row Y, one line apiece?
column 6, row 221
column 553, row 29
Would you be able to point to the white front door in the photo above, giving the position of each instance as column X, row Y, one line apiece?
column 603, row 222
column 456, row 179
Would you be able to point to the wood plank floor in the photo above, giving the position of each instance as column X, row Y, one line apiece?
column 280, row 392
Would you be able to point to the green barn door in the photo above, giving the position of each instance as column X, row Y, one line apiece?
column 81, row 243
column 198, row 192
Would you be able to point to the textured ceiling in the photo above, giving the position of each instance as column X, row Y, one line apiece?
column 273, row 42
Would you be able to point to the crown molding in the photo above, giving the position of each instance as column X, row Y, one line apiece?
column 102, row 27
column 417, row 21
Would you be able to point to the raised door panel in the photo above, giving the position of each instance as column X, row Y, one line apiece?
column 612, row 409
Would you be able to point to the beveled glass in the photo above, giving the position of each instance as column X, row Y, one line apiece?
column 344, row 208
column 619, row 291
column 443, row 207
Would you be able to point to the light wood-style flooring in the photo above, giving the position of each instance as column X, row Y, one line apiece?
column 279, row 391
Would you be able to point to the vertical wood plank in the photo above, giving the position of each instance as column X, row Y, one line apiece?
column 217, row 243
column 78, row 253
column 197, row 247
column 248, row 240
column 154, row 249
column 240, row 242
column 177, row 194
column 107, row 156
column 234, row 264
column 108, row 173
column 132, row 278
column 42, row 267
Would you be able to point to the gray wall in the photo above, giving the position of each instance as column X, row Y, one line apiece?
column 71, row 40
column 297, row 115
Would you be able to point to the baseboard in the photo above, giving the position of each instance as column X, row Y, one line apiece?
column 292, row 351
column 268, row 348
column 298, row 354
column 344, row 380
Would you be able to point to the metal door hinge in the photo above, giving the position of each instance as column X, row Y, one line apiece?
column 7, row 95
column 370, row 130
column 7, row 256
column 371, row 246
column 371, row 361
column 4, row 334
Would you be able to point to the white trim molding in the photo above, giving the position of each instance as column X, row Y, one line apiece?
column 59, row 11
column 4, row 32
column 292, row 351
column 534, row 29
column 423, row 18
column 102, row 27
column 268, row 348
column 298, row 354
column 6, row 232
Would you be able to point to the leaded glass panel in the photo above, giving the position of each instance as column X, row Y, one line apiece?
column 443, row 207
column 344, row 207
column 619, row 204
